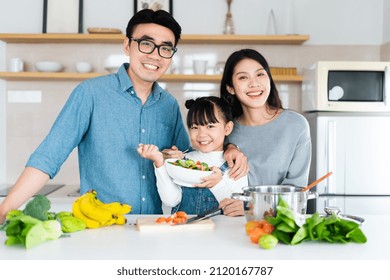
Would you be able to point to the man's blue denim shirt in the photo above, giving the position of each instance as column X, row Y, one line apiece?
column 105, row 119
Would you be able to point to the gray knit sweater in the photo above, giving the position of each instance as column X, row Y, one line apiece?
column 278, row 152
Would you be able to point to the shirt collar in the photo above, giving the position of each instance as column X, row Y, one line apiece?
column 127, row 85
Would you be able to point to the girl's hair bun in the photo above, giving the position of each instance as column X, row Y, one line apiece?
column 189, row 103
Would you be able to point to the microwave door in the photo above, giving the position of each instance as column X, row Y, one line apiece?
column 357, row 150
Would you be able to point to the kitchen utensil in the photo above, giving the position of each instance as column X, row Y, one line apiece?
column 316, row 182
column 330, row 210
column 167, row 153
column 149, row 225
column 203, row 216
column 261, row 201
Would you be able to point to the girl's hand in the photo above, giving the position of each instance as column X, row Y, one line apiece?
column 173, row 152
column 211, row 180
column 232, row 207
column 151, row 152
column 237, row 161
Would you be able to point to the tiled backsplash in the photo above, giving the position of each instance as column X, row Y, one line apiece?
column 28, row 123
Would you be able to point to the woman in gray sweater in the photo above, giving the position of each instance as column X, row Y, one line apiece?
column 275, row 140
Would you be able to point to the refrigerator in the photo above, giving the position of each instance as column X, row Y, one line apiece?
column 356, row 148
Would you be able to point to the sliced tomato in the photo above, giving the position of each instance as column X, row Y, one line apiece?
column 161, row 220
column 179, row 220
column 171, row 217
column 181, row 214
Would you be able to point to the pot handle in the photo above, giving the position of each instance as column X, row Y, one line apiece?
column 312, row 195
column 241, row 197
column 336, row 210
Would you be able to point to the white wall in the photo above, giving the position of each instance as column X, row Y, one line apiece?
column 3, row 129
column 331, row 22
column 386, row 21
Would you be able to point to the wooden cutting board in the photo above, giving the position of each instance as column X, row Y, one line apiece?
column 150, row 225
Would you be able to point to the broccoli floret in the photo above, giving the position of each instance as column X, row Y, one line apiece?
column 38, row 207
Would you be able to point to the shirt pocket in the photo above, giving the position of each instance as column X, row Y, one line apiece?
column 163, row 135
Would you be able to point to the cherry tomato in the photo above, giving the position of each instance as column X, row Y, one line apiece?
column 268, row 228
column 249, row 226
column 255, row 234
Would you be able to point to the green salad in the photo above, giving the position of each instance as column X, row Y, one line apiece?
column 191, row 164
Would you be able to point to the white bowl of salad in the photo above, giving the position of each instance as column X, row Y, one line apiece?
column 187, row 172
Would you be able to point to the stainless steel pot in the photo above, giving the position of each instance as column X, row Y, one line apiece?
column 261, row 201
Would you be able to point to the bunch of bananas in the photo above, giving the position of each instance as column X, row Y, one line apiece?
column 97, row 214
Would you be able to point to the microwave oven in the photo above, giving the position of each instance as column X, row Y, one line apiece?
column 347, row 86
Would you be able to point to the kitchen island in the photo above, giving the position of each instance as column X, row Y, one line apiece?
column 227, row 241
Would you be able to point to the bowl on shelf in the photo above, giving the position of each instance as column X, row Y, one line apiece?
column 83, row 67
column 114, row 61
column 112, row 69
column 49, row 66
column 184, row 176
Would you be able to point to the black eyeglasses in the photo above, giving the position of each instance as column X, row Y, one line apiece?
column 146, row 46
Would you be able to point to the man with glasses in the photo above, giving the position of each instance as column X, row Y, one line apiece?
column 108, row 116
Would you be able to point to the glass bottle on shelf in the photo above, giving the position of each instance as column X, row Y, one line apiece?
column 229, row 24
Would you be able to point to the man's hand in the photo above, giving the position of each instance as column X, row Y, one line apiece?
column 237, row 161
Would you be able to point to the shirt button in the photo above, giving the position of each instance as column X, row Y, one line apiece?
column 143, row 177
column 143, row 199
column 143, row 130
column 131, row 92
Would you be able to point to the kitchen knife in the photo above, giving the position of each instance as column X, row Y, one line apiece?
column 203, row 216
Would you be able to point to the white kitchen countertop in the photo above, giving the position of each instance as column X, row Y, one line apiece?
column 227, row 241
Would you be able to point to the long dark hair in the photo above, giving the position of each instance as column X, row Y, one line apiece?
column 273, row 101
column 202, row 110
column 159, row 17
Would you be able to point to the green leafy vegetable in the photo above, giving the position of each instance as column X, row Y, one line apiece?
column 35, row 224
column 29, row 231
column 70, row 223
column 38, row 207
column 329, row 228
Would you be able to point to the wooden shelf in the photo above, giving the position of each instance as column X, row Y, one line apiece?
column 180, row 78
column 186, row 39
column 245, row 39
column 51, row 38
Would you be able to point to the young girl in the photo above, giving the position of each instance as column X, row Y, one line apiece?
column 209, row 121
column 276, row 141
